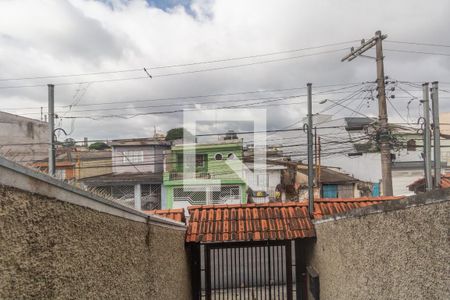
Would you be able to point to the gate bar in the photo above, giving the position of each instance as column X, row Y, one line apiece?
column 289, row 270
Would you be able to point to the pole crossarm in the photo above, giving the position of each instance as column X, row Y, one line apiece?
column 365, row 45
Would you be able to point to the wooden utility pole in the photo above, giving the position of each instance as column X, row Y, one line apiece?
column 384, row 134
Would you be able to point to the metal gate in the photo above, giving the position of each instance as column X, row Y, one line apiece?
column 248, row 270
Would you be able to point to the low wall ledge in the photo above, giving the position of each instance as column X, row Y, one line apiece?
column 429, row 198
column 18, row 176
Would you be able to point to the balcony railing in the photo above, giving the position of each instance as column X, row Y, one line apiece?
column 196, row 175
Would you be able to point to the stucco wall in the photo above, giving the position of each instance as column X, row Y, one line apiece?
column 89, row 168
column 16, row 130
column 399, row 250
column 50, row 249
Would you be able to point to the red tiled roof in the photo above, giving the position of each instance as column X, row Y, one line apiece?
column 176, row 214
column 264, row 221
column 332, row 206
column 420, row 183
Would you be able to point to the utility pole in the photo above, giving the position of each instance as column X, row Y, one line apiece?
column 384, row 140
column 319, row 166
column 426, row 137
column 316, row 156
column 310, row 154
column 436, row 134
column 51, row 127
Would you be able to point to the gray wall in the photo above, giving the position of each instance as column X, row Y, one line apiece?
column 19, row 130
column 58, row 242
column 399, row 250
column 52, row 249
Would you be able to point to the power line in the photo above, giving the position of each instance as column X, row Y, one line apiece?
column 197, row 135
column 417, row 43
column 350, row 85
column 176, row 65
column 170, row 162
column 417, row 52
column 178, row 73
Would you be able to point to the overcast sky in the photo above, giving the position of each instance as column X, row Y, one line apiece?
column 49, row 37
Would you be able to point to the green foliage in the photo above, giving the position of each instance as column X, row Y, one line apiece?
column 98, row 146
column 177, row 133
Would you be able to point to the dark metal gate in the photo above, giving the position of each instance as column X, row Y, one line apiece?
column 248, row 270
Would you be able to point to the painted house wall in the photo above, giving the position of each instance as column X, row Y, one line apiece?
column 402, row 178
column 214, row 170
column 89, row 168
column 147, row 165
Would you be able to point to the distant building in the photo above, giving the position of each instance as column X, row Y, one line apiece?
column 419, row 186
column 73, row 164
column 22, row 139
column 137, row 173
column 199, row 186
column 334, row 184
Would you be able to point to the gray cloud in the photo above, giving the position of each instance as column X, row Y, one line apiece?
column 63, row 37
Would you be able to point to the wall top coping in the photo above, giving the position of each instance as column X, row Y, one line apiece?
column 18, row 176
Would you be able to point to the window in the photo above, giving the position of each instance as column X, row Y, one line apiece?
column 200, row 160
column 150, row 196
column 218, row 156
column 411, row 145
column 133, row 157
column 231, row 156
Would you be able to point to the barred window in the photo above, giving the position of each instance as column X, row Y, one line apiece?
column 133, row 157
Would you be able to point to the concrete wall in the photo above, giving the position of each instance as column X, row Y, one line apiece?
column 58, row 242
column 397, row 250
column 16, row 130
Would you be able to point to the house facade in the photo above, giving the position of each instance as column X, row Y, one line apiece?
column 23, row 140
column 332, row 183
column 205, row 178
column 76, row 164
column 136, row 173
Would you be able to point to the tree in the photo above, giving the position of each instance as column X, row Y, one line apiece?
column 177, row 133
column 98, row 146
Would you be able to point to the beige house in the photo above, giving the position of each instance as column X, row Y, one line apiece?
column 93, row 163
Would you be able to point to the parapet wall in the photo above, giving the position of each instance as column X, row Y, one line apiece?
column 394, row 250
column 60, row 242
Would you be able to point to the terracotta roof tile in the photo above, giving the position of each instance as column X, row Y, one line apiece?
column 265, row 221
column 420, row 183
column 176, row 214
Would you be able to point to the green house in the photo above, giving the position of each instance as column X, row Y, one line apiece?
column 208, row 179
